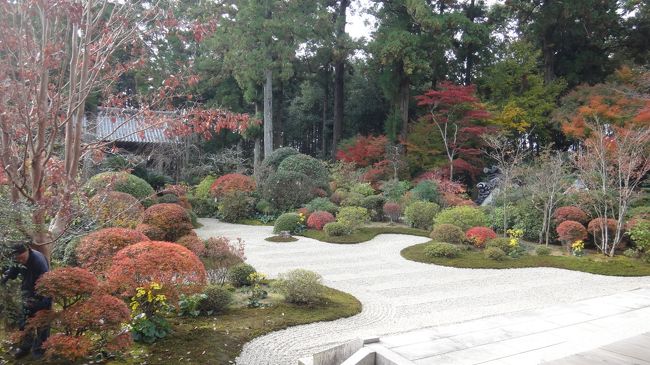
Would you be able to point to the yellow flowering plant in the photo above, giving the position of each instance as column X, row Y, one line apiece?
column 577, row 247
column 148, row 307
column 514, row 241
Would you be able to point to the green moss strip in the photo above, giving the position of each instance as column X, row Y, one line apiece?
column 281, row 239
column 363, row 234
column 595, row 264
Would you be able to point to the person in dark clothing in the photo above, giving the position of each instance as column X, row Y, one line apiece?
column 32, row 266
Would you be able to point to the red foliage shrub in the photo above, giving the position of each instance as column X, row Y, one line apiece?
column 453, row 193
column 595, row 228
column 181, row 192
column 66, row 347
column 570, row 231
column 393, row 211
column 100, row 312
column 570, row 213
column 193, row 243
column 220, row 254
column 231, row 183
column 154, row 233
column 96, row 250
column 480, row 235
column 116, row 209
column 317, row 220
column 172, row 219
column 363, row 150
column 176, row 268
column 68, row 285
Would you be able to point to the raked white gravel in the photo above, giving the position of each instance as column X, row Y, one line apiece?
column 398, row 295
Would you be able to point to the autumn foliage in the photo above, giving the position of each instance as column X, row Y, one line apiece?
column 193, row 243
column 231, row 183
column 363, row 151
column 172, row 219
column 570, row 213
column 393, row 211
column 116, row 209
column 96, row 250
column 154, row 233
column 67, row 286
column 173, row 266
column 570, row 231
column 317, row 220
column 480, row 235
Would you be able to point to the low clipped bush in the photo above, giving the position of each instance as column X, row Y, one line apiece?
column 393, row 211
column 640, row 235
column 322, row 204
column 288, row 190
column 352, row 200
column 420, row 214
column 426, row 190
column 448, row 233
column 238, row 275
column 154, row 233
column 124, row 183
column 464, row 217
column 480, row 235
column 318, row 219
column 375, row 205
column 231, row 183
column 313, row 168
column 501, row 243
column 172, row 219
column 494, row 253
column 96, row 250
column 116, row 209
column 570, row 213
column 441, row 249
column 290, row 222
column 216, row 300
column 543, row 251
column 168, row 198
column 300, row 286
column 353, row 217
column 235, row 206
column 364, row 189
column 337, row 229
column 571, row 231
column 193, row 243
column 277, row 156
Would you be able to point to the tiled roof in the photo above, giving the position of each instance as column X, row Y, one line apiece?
column 116, row 125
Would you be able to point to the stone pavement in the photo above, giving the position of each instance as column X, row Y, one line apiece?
column 538, row 336
column 400, row 295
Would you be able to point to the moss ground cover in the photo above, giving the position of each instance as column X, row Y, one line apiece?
column 364, row 234
column 281, row 239
column 592, row 263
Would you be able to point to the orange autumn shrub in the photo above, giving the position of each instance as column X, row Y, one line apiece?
column 172, row 219
column 193, row 243
column 570, row 231
column 231, row 183
column 96, row 250
column 154, row 233
column 480, row 235
column 318, row 220
column 570, row 213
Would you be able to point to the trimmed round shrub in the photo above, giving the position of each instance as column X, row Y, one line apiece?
column 176, row 268
column 336, row 229
column 464, row 217
column 480, row 235
column 122, row 182
column 420, row 214
column 168, row 198
column 318, row 220
column 375, row 205
column 287, row 222
column 543, row 251
column 364, row 189
column 571, row 231
column 154, row 233
column 96, row 250
column 67, row 284
column 426, row 190
column 172, row 219
column 352, row 200
column 441, row 249
column 277, row 156
column 570, row 213
column 595, row 230
column 501, row 243
column 238, row 275
column 235, row 206
column 231, row 183
column 494, row 253
column 353, row 217
column 288, row 190
column 322, row 204
column 393, row 211
column 193, row 243
column 300, row 286
column 448, row 233
column 116, row 209
column 216, row 300
column 203, row 203
column 640, row 235
column 313, row 168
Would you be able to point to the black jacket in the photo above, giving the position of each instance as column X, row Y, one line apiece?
column 35, row 267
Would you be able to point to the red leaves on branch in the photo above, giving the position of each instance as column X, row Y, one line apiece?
column 317, row 220
column 364, row 150
column 67, row 285
column 570, row 231
column 176, row 268
column 480, row 235
column 570, row 213
column 96, row 250
column 70, row 348
column 171, row 218
column 230, row 183
column 209, row 122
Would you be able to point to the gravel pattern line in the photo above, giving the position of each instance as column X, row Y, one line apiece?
column 398, row 295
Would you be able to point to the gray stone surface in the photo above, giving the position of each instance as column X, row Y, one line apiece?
column 400, row 295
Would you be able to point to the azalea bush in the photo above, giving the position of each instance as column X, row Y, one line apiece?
column 353, row 217
column 172, row 219
column 122, row 182
column 442, row 249
column 96, row 250
column 464, row 217
column 420, row 214
column 231, row 183
column 570, row 213
column 317, row 220
column 448, row 233
column 220, row 254
column 290, row 222
column 115, row 209
column 480, row 235
column 300, row 286
column 337, row 229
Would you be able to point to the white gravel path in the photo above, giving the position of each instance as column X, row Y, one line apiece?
column 398, row 295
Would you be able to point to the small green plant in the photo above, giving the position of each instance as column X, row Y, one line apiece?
column 300, row 286
column 256, row 293
column 420, row 214
column 640, row 235
column 216, row 299
column 238, row 275
column 495, row 253
column 353, row 217
column 336, row 229
column 188, row 305
column 543, row 251
column 442, row 249
column 148, row 308
column 631, row 253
